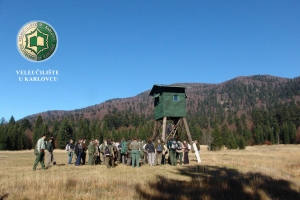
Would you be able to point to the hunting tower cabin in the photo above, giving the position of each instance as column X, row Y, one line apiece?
column 169, row 104
column 169, row 101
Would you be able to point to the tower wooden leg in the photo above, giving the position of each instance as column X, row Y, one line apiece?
column 154, row 134
column 163, row 133
column 187, row 130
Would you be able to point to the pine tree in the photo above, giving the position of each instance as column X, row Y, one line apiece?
column 242, row 142
column 248, row 136
column 65, row 133
column 218, row 141
column 285, row 133
column 12, row 135
column 2, row 137
column 258, row 135
column 83, row 129
column 37, row 130
column 271, row 136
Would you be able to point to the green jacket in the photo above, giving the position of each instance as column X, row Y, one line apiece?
column 91, row 148
column 124, row 147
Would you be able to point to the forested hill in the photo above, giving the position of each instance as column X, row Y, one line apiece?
column 249, row 110
column 239, row 95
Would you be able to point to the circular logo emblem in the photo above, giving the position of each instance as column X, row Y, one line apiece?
column 37, row 41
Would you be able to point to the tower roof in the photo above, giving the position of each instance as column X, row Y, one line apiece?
column 156, row 89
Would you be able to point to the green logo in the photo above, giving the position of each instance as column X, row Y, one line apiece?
column 37, row 41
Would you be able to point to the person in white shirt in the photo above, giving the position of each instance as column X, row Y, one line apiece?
column 41, row 154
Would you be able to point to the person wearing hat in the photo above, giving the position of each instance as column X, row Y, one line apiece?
column 41, row 154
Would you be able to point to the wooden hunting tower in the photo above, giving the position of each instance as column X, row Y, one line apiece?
column 169, row 104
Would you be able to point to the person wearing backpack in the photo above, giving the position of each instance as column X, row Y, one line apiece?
column 173, row 148
column 159, row 150
column 109, row 153
column 179, row 151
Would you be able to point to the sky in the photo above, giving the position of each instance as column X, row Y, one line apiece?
column 117, row 49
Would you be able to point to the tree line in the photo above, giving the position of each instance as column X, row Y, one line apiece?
column 277, row 125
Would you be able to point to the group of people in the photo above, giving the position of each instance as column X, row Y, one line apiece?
column 132, row 152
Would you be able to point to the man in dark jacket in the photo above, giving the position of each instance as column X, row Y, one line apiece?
column 78, row 152
column 49, row 153
column 109, row 153
column 83, row 154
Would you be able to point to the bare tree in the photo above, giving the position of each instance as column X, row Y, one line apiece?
column 207, row 139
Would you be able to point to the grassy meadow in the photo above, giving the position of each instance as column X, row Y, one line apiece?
column 258, row 172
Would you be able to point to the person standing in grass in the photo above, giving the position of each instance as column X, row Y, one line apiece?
column 102, row 149
column 150, row 152
column 41, row 154
column 49, row 153
column 145, row 152
column 142, row 152
column 158, row 152
column 78, row 152
column 173, row 147
column 179, row 151
column 109, row 153
column 83, row 154
column 70, row 151
column 186, row 153
column 129, row 155
column 124, row 151
column 118, row 146
column 91, row 151
column 97, row 153
column 165, row 153
column 135, row 151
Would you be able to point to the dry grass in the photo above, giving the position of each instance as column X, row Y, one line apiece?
column 259, row 172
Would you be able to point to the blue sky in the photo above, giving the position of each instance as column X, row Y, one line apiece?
column 116, row 49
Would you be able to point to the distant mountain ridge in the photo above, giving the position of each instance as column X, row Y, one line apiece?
column 240, row 94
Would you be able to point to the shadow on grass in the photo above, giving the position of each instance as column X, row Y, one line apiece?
column 4, row 196
column 211, row 182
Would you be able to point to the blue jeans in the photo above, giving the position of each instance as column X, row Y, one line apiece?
column 78, row 159
column 70, row 154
